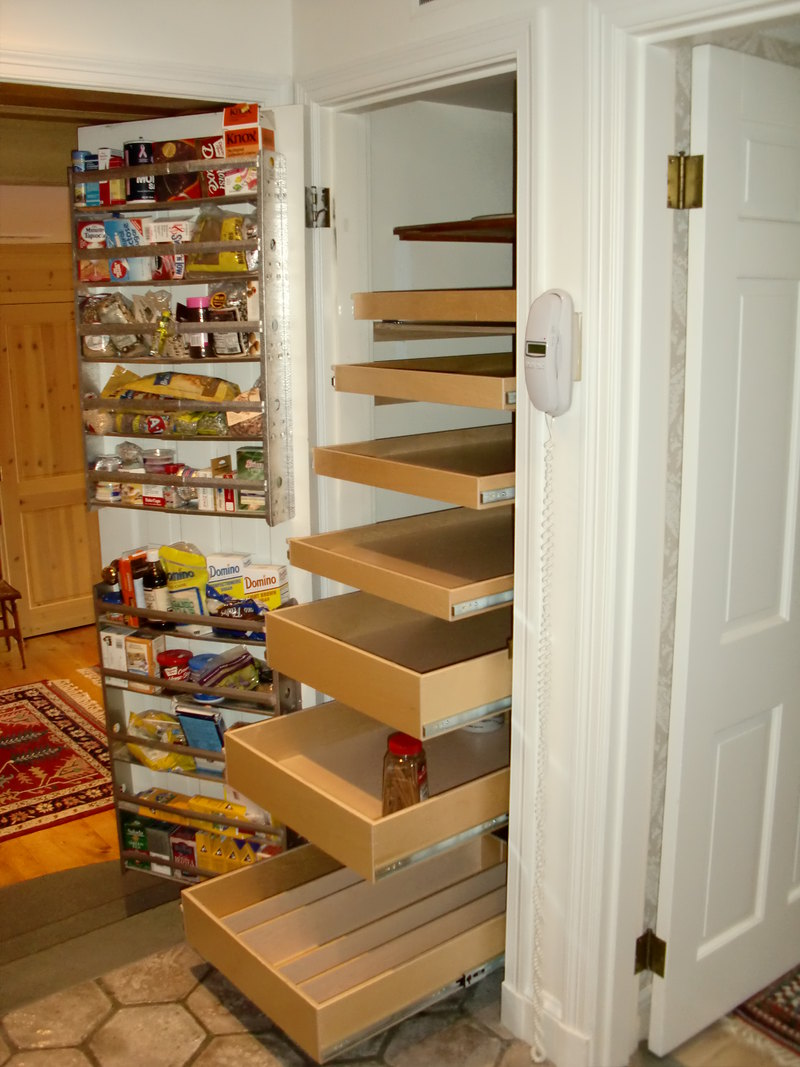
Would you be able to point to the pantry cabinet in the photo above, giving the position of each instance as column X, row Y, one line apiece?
column 237, row 398
column 423, row 645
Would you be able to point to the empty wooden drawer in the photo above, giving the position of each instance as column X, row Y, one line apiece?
column 446, row 563
column 472, row 467
column 408, row 670
column 485, row 380
column 438, row 305
column 320, row 771
column 332, row 959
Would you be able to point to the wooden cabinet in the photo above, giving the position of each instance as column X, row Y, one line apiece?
column 333, row 954
column 332, row 958
column 448, row 564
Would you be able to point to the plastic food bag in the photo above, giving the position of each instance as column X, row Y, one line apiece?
column 215, row 225
column 158, row 726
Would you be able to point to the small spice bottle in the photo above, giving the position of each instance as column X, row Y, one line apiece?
column 405, row 773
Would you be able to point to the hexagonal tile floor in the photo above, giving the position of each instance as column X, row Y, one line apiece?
column 172, row 1009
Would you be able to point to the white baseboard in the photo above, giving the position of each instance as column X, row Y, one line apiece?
column 563, row 1046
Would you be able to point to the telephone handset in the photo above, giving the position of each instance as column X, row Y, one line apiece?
column 548, row 352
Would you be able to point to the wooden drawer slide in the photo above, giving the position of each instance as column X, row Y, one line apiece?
column 332, row 959
column 319, row 770
column 438, row 305
column 480, row 381
column 449, row 564
column 472, row 467
column 413, row 672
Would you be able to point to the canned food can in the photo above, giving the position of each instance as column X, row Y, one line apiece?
column 79, row 157
column 142, row 188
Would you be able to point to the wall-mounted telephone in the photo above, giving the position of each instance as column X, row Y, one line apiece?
column 548, row 352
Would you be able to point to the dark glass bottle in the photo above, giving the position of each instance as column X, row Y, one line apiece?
column 156, row 596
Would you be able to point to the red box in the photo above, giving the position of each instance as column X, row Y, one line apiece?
column 212, row 181
column 183, row 848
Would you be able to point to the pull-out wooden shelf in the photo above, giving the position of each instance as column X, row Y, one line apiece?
column 497, row 229
column 408, row 670
column 332, row 959
column 429, row 331
column 480, row 381
column 438, row 305
column 472, row 467
column 319, row 770
column 449, row 564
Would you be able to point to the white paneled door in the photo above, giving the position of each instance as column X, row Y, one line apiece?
column 729, row 902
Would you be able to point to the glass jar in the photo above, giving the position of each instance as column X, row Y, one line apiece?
column 405, row 773
column 108, row 492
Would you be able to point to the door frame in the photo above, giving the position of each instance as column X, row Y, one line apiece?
column 632, row 81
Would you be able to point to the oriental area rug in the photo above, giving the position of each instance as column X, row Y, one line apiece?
column 54, row 763
column 775, row 1011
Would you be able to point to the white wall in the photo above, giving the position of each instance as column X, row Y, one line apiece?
column 184, row 47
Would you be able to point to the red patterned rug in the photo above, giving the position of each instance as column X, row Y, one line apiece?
column 775, row 1011
column 54, row 763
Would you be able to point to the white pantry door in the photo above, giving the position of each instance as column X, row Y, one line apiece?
column 729, row 900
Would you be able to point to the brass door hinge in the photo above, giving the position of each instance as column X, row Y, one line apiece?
column 684, row 181
column 651, row 954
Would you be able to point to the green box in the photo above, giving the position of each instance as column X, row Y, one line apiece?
column 250, row 465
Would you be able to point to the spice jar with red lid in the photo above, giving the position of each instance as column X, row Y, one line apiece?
column 405, row 773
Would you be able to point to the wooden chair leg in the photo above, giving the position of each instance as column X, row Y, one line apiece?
column 6, row 627
column 18, row 634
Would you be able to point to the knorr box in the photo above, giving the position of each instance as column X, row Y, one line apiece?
column 267, row 583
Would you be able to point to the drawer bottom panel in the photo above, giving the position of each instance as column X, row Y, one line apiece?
column 332, row 958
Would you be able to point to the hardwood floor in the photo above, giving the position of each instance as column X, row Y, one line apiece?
column 82, row 841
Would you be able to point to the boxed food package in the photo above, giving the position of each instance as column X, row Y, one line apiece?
column 133, row 832
column 113, row 191
column 169, row 266
column 183, row 847
column 141, row 650
column 157, row 838
column 247, row 130
column 224, row 499
column 212, row 182
column 226, row 572
column 267, row 584
column 250, row 465
column 112, row 651
column 127, row 233
column 176, row 186
column 92, row 235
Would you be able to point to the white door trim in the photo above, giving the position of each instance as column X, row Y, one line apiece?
column 631, row 87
